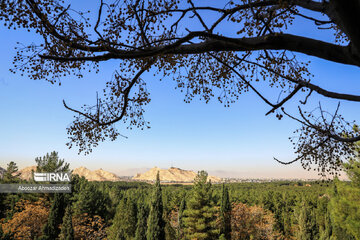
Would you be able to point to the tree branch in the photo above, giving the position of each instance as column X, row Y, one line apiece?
column 217, row 43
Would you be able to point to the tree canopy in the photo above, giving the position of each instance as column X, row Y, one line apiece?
column 51, row 163
column 202, row 59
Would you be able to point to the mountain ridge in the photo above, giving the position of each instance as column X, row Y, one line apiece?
column 172, row 174
column 96, row 175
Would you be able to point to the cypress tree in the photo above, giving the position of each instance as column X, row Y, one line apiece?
column 225, row 214
column 307, row 226
column 124, row 223
column 326, row 232
column 200, row 214
column 156, row 223
column 51, row 229
column 141, row 225
column 67, row 230
column 181, row 213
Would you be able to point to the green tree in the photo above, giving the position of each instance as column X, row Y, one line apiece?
column 225, row 213
column 181, row 212
column 89, row 199
column 10, row 175
column 200, row 214
column 124, row 223
column 287, row 214
column 156, row 223
column 222, row 237
column 67, row 230
column 51, row 229
column 306, row 222
column 51, row 163
column 326, row 230
column 141, row 225
column 345, row 200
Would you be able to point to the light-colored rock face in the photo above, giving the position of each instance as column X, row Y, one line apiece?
column 97, row 175
column 171, row 175
column 26, row 173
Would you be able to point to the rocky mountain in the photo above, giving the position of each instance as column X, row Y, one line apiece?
column 171, row 175
column 166, row 175
column 96, row 175
column 26, row 173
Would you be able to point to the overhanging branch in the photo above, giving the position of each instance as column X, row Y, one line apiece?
column 218, row 43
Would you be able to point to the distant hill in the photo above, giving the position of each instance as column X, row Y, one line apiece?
column 171, row 175
column 96, row 175
column 166, row 175
column 26, row 173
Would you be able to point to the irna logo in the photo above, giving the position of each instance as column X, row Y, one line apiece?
column 51, row 177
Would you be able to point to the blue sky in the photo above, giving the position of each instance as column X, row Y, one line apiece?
column 239, row 141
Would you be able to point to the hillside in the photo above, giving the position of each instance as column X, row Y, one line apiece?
column 166, row 175
column 171, row 175
column 96, row 175
column 26, row 173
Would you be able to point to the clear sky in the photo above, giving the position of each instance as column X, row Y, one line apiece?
column 237, row 141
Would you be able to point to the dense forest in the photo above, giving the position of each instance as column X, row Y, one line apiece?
column 136, row 210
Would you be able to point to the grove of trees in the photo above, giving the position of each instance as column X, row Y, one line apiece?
column 281, row 210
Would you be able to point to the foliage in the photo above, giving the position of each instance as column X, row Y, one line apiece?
column 345, row 202
column 260, row 49
column 89, row 199
column 5, row 236
column 156, row 223
column 67, row 230
column 51, row 163
column 11, row 175
column 306, row 222
column 141, row 225
column 89, row 227
column 51, row 229
column 200, row 213
column 225, row 214
column 26, row 223
column 285, row 210
column 251, row 222
column 124, row 223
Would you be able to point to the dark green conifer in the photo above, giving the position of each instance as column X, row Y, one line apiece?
column 181, row 213
column 67, row 230
column 141, row 225
column 51, row 229
column 156, row 223
column 306, row 222
column 11, row 175
column 200, row 214
column 51, row 163
column 124, row 223
column 225, row 213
